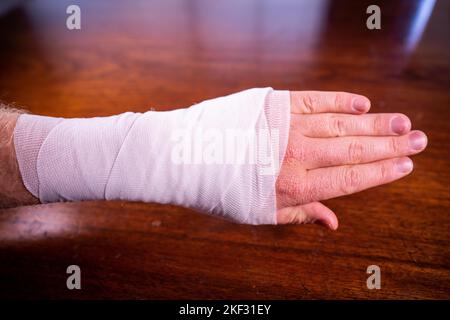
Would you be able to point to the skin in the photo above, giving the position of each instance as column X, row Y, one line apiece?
column 12, row 191
column 334, row 149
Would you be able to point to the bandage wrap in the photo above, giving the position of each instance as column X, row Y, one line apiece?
column 155, row 157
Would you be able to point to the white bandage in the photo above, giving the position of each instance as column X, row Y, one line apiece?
column 221, row 156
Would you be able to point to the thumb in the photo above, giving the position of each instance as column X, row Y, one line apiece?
column 314, row 212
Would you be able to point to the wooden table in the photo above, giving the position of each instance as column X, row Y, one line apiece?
column 136, row 55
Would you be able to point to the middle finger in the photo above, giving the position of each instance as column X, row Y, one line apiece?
column 318, row 152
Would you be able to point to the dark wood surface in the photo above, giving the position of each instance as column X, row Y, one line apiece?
column 136, row 55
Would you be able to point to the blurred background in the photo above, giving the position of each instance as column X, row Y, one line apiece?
column 136, row 55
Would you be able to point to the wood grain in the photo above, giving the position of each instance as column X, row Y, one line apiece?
column 136, row 55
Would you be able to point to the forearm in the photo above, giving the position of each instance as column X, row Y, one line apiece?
column 12, row 190
column 204, row 157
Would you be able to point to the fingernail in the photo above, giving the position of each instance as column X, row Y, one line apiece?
column 404, row 165
column 417, row 140
column 360, row 104
column 399, row 125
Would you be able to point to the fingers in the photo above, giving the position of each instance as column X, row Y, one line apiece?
column 332, row 182
column 309, row 102
column 317, row 152
column 314, row 212
column 338, row 125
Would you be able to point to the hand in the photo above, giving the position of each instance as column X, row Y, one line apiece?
column 336, row 149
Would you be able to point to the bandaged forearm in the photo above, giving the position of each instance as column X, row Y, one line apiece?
column 221, row 156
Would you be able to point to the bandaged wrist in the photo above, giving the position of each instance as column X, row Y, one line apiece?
column 221, row 156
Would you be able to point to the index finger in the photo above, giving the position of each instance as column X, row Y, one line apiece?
column 308, row 102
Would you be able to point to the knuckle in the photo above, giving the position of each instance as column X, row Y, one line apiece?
column 351, row 180
column 355, row 152
column 309, row 102
column 337, row 126
column 379, row 123
column 384, row 172
column 394, row 145
column 339, row 100
column 291, row 216
column 296, row 216
column 301, row 218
